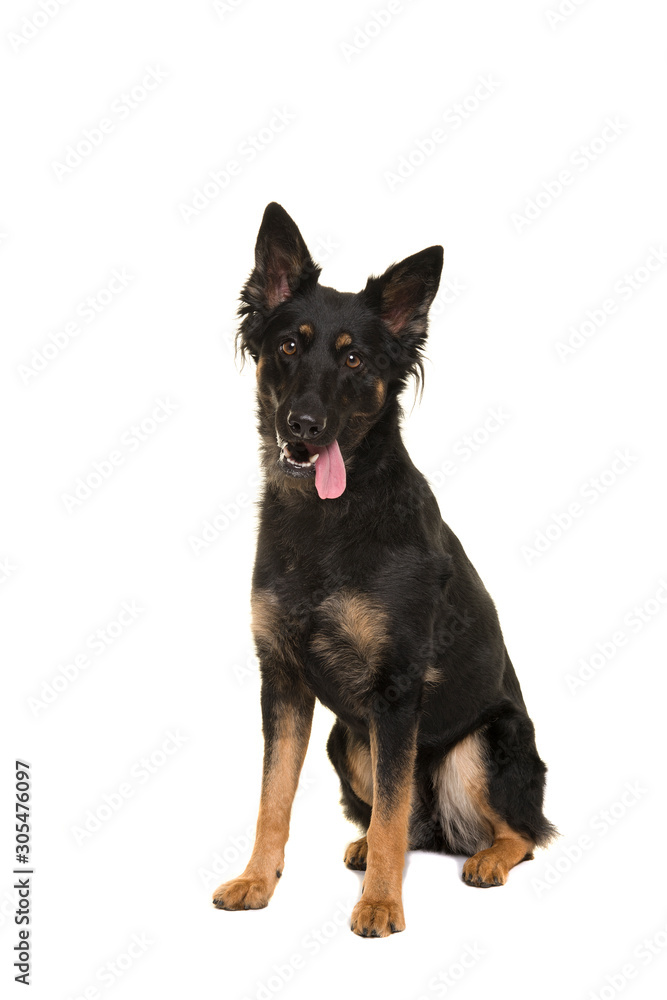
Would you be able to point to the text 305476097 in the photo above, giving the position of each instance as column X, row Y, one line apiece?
column 22, row 915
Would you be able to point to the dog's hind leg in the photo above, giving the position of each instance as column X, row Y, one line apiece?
column 511, row 801
column 352, row 761
column 491, row 866
column 491, row 787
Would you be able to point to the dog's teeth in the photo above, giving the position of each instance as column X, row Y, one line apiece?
column 313, row 458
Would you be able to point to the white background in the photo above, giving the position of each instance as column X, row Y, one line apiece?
column 359, row 99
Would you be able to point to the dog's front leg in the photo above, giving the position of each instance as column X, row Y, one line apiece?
column 393, row 748
column 287, row 719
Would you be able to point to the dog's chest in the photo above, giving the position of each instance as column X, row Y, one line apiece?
column 335, row 644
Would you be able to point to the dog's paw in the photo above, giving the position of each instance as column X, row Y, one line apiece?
column 485, row 870
column 243, row 893
column 356, row 854
column 377, row 918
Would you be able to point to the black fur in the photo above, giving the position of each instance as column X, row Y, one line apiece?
column 443, row 672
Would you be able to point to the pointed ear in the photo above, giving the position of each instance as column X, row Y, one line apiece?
column 283, row 264
column 404, row 293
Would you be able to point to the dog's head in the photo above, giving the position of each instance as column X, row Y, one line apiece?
column 329, row 364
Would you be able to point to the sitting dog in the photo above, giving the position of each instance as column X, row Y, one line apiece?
column 364, row 599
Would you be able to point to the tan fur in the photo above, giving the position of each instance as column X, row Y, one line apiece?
column 470, row 823
column 274, row 632
column 278, row 790
column 351, row 639
column 265, row 615
column 492, row 865
column 306, row 330
column 343, row 340
column 432, row 676
column 356, row 855
column 361, row 771
column 282, row 766
column 363, row 418
column 379, row 912
column 460, row 785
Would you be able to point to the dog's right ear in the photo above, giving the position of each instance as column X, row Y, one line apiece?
column 283, row 265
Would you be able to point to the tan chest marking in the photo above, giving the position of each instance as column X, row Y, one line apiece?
column 277, row 635
column 350, row 640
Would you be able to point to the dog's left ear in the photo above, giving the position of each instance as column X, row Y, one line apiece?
column 404, row 293
column 283, row 265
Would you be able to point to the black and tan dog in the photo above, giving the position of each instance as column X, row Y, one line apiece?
column 362, row 597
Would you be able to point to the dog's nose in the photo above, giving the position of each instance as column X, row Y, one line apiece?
column 306, row 427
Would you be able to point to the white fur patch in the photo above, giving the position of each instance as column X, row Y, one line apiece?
column 459, row 782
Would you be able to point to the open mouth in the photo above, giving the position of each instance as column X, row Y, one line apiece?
column 323, row 461
column 297, row 459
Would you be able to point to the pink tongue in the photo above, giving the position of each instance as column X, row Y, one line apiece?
column 329, row 472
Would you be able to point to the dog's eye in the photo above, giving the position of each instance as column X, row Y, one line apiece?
column 353, row 361
column 288, row 347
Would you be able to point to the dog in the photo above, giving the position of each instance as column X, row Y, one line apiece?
column 363, row 598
